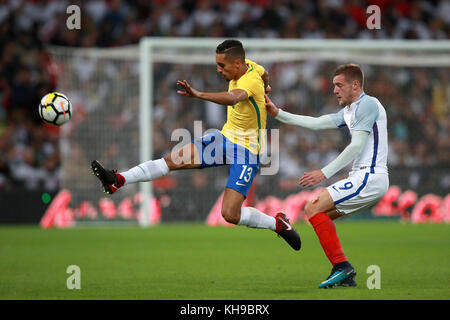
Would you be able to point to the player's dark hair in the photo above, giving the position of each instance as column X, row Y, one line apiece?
column 351, row 72
column 233, row 49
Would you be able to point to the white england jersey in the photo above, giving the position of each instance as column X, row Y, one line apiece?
column 368, row 181
column 367, row 114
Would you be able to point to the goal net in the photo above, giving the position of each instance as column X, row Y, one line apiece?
column 126, row 111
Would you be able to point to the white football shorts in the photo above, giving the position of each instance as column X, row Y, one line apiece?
column 359, row 191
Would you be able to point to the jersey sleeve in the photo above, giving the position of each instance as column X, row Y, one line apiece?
column 366, row 115
column 338, row 118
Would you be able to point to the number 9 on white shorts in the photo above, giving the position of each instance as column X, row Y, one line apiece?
column 359, row 191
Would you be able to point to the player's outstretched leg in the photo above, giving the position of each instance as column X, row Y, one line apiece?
column 185, row 158
column 110, row 179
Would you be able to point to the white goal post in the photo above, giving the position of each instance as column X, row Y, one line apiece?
column 424, row 53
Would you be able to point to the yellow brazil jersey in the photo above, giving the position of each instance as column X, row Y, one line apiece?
column 247, row 118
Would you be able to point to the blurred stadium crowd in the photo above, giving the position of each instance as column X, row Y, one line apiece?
column 417, row 103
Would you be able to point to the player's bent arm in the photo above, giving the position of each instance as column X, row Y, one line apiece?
column 313, row 123
column 226, row 98
column 359, row 139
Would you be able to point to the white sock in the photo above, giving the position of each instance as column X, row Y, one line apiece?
column 253, row 218
column 146, row 171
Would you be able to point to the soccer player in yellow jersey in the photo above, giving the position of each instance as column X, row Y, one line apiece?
column 238, row 144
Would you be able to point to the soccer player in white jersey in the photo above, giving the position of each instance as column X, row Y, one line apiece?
column 368, row 180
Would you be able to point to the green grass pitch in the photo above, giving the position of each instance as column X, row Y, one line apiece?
column 197, row 262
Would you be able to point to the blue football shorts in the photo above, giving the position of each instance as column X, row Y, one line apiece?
column 215, row 149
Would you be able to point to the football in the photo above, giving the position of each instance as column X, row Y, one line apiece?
column 55, row 109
